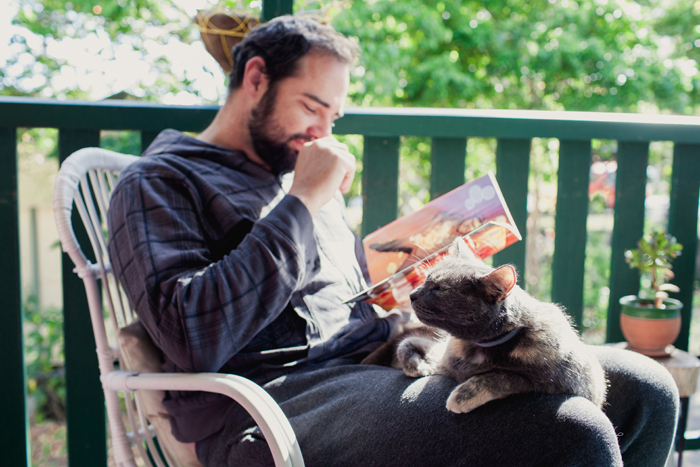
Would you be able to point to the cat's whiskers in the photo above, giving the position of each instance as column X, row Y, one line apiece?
column 423, row 269
column 419, row 247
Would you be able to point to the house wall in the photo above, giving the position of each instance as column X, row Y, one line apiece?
column 40, row 253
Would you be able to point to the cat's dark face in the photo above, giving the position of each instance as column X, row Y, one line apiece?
column 463, row 296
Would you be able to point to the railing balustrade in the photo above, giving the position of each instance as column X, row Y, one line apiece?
column 79, row 125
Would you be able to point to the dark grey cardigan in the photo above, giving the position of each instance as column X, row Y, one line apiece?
column 230, row 274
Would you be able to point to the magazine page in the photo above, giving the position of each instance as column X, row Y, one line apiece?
column 414, row 236
column 394, row 291
column 475, row 211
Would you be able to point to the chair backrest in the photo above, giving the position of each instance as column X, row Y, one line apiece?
column 87, row 178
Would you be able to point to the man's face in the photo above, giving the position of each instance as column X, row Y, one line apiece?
column 298, row 109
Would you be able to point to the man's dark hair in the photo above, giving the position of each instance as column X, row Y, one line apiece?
column 282, row 41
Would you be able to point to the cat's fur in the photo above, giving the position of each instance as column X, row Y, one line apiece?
column 464, row 302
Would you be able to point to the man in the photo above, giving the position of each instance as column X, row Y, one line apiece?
column 231, row 269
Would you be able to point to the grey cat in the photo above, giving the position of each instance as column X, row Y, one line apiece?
column 482, row 330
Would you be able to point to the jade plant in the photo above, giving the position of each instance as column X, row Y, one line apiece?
column 653, row 256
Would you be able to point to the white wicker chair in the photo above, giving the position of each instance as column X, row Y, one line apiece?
column 87, row 178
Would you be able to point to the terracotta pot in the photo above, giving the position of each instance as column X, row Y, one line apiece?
column 648, row 330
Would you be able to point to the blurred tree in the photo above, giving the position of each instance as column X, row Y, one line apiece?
column 606, row 55
column 594, row 55
column 87, row 49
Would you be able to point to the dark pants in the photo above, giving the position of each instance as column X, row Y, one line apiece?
column 345, row 414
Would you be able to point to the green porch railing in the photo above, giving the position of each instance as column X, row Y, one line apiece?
column 79, row 124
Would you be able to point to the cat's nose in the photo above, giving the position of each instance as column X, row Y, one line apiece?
column 416, row 293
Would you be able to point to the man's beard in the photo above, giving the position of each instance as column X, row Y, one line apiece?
column 269, row 141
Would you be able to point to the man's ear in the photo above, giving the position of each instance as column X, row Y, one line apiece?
column 499, row 284
column 255, row 79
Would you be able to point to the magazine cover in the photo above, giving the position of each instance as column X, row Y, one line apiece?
column 398, row 253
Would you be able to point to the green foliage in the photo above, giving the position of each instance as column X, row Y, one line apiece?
column 125, row 142
column 596, row 294
column 414, row 173
column 72, row 50
column 586, row 55
column 44, row 359
column 34, row 142
column 607, row 55
column 653, row 256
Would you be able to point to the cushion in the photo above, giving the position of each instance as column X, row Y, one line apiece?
column 138, row 353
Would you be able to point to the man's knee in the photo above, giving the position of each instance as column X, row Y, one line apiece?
column 581, row 435
column 641, row 389
column 643, row 405
column 248, row 448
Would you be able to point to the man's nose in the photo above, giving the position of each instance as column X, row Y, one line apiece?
column 321, row 128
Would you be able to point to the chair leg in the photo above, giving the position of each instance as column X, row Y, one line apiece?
column 123, row 456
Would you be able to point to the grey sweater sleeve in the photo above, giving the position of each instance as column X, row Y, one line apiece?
column 198, row 311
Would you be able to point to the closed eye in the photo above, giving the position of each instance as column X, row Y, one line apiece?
column 313, row 111
column 433, row 286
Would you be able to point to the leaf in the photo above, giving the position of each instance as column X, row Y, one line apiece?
column 654, row 255
column 669, row 288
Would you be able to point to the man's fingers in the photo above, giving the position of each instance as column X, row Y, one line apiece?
column 323, row 167
column 349, row 174
column 330, row 142
column 347, row 183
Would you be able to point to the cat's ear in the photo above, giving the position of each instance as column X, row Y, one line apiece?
column 462, row 246
column 499, row 284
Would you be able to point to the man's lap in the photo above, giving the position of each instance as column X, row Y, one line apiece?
column 349, row 414
column 642, row 394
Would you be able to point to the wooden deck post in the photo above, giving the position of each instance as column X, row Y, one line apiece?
column 14, row 423
column 274, row 8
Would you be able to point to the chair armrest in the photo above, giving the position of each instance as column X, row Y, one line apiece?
column 253, row 398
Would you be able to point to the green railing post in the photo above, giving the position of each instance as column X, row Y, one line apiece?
column 274, row 8
column 447, row 161
column 512, row 173
column 14, row 422
column 380, row 183
column 85, row 407
column 630, row 188
column 147, row 138
column 683, row 224
column 568, row 264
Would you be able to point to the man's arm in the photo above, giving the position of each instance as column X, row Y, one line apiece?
column 201, row 312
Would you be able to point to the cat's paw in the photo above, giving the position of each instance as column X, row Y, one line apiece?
column 466, row 397
column 416, row 367
column 412, row 355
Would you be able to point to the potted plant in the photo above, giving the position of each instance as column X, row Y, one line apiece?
column 652, row 322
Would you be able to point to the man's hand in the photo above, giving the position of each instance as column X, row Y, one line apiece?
column 323, row 166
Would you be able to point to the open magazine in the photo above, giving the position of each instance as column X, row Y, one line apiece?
column 399, row 253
